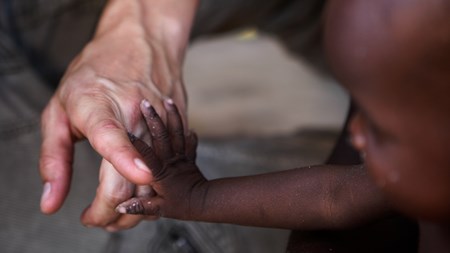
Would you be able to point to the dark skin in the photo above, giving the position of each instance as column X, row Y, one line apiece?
column 393, row 57
column 397, row 72
column 324, row 198
column 315, row 197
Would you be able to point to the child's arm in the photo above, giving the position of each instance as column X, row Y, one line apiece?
column 319, row 197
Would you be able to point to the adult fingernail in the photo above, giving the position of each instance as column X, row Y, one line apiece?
column 121, row 209
column 141, row 165
column 46, row 192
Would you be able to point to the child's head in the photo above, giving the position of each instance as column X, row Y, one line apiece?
column 394, row 59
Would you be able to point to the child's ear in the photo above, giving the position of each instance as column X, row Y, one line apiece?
column 357, row 136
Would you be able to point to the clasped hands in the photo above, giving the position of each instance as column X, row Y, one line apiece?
column 98, row 100
column 177, row 185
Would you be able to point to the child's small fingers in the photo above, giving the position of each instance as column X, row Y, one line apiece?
column 150, row 158
column 160, row 136
column 175, row 127
column 191, row 146
column 140, row 205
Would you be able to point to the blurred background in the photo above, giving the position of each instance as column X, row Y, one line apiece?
column 246, row 83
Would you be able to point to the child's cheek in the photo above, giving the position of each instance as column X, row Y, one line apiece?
column 410, row 183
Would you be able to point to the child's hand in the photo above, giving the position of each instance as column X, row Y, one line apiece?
column 177, row 180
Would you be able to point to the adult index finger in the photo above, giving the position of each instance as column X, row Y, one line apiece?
column 109, row 138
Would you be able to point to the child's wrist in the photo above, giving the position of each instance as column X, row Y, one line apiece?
column 198, row 200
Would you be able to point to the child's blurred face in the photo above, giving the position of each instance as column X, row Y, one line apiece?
column 406, row 147
column 396, row 65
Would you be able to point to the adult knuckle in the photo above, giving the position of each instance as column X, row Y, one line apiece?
column 97, row 221
column 113, row 197
column 51, row 165
column 47, row 161
column 128, row 225
column 99, row 133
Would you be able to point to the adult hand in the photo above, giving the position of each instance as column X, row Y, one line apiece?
column 133, row 55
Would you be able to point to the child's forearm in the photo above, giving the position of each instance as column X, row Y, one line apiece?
column 319, row 197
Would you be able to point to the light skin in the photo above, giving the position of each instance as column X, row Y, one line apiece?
column 136, row 52
column 391, row 56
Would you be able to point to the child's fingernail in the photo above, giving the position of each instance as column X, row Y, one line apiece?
column 141, row 165
column 168, row 103
column 145, row 103
column 46, row 192
column 149, row 110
